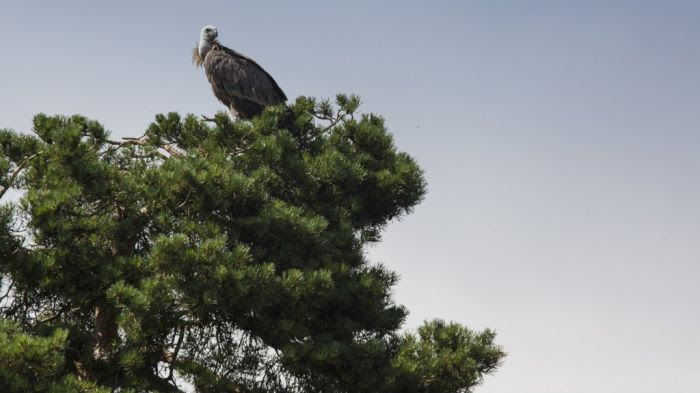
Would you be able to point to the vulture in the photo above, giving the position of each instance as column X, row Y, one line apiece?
column 237, row 81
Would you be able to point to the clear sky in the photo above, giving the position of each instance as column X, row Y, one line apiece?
column 560, row 139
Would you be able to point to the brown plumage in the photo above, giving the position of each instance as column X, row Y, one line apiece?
column 238, row 81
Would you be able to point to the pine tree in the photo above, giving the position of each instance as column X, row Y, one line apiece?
column 227, row 256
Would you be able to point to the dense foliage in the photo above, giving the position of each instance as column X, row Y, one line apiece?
column 217, row 256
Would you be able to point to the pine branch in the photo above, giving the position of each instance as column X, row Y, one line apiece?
column 16, row 173
column 333, row 120
column 140, row 141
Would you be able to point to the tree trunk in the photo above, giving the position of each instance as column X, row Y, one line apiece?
column 105, row 331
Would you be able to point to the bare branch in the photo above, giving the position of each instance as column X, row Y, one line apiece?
column 56, row 315
column 209, row 119
column 334, row 121
column 7, row 293
column 140, row 141
column 186, row 199
column 180, row 338
column 162, row 385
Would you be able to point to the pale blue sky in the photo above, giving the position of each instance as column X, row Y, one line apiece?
column 560, row 140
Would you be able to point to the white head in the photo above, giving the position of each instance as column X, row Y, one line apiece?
column 206, row 39
column 208, row 34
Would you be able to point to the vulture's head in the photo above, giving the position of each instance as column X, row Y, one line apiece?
column 208, row 34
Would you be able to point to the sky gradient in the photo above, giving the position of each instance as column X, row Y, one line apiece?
column 560, row 140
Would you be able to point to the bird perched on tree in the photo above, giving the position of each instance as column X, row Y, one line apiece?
column 237, row 81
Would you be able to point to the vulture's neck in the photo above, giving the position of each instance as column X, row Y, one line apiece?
column 205, row 47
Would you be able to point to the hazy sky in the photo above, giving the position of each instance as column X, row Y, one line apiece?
column 560, row 139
